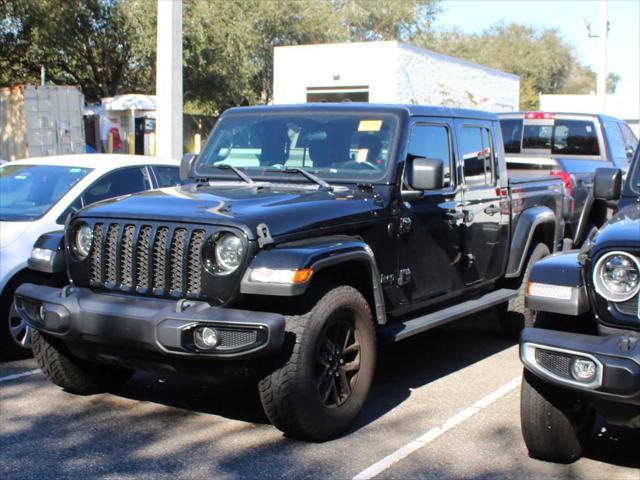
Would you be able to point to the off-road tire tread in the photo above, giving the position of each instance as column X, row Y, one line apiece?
column 74, row 375
column 548, row 432
column 278, row 390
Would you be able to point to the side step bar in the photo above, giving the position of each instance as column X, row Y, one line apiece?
column 400, row 330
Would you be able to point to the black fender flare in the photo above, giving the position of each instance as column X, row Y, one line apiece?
column 52, row 242
column 317, row 254
column 560, row 270
column 528, row 222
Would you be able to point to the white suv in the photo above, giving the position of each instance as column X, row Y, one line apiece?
column 37, row 195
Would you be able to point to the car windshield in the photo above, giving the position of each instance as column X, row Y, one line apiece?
column 333, row 146
column 27, row 192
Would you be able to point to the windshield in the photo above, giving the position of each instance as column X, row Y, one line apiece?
column 27, row 192
column 334, row 146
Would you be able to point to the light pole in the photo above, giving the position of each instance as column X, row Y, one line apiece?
column 169, row 80
column 601, row 85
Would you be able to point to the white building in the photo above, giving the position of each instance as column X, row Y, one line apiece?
column 624, row 107
column 388, row 72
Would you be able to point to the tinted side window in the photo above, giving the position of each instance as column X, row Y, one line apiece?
column 477, row 156
column 511, row 134
column 167, row 176
column 432, row 141
column 121, row 182
column 616, row 140
column 575, row 137
column 630, row 139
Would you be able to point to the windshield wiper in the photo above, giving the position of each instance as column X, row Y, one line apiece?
column 309, row 176
column 239, row 173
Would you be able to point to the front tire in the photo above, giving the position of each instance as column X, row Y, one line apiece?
column 318, row 391
column 554, row 422
column 514, row 316
column 72, row 374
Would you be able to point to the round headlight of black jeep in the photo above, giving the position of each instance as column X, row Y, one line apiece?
column 81, row 240
column 616, row 276
column 229, row 252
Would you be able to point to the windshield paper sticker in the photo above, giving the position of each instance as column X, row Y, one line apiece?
column 370, row 125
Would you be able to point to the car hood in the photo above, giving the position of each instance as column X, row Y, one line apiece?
column 285, row 209
column 621, row 231
column 12, row 231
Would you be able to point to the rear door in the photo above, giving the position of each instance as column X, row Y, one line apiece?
column 484, row 228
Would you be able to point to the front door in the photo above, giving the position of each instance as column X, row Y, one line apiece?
column 485, row 225
column 429, row 238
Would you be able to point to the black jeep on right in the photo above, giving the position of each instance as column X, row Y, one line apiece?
column 582, row 355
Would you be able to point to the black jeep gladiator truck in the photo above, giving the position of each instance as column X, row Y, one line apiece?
column 299, row 235
column 582, row 355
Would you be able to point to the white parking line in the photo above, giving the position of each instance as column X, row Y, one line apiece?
column 19, row 375
column 428, row 437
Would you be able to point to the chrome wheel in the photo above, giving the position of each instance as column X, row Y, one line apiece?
column 337, row 361
column 20, row 331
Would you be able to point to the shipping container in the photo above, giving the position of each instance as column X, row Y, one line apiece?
column 40, row 121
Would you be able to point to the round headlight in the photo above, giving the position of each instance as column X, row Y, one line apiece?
column 229, row 252
column 616, row 276
column 82, row 240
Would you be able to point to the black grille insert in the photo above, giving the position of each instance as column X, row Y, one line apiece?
column 158, row 260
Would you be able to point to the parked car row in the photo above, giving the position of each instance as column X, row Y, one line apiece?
column 36, row 197
column 302, row 235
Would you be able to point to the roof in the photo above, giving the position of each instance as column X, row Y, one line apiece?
column 98, row 161
column 398, row 109
column 572, row 114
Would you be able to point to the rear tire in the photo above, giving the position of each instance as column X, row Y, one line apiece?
column 514, row 316
column 554, row 422
column 72, row 374
column 318, row 391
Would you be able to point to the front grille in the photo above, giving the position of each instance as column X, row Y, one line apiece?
column 156, row 260
column 555, row 362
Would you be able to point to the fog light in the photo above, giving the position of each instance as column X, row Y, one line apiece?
column 583, row 369
column 205, row 338
column 41, row 313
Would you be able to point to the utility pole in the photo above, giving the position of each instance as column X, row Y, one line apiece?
column 169, row 80
column 603, row 33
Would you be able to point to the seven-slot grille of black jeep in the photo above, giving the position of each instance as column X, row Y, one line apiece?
column 158, row 260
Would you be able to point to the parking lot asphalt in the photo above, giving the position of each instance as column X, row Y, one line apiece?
column 444, row 405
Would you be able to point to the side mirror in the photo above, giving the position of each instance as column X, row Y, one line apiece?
column 185, row 165
column 426, row 174
column 607, row 183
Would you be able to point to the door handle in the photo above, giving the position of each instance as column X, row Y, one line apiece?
column 492, row 210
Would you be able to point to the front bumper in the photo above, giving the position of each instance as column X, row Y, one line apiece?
column 549, row 354
column 126, row 326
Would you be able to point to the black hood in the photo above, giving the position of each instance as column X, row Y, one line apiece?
column 285, row 209
column 621, row 231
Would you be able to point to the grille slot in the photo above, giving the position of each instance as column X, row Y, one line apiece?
column 142, row 258
column 95, row 268
column 177, row 260
column 159, row 260
column 126, row 257
column 155, row 260
column 194, row 280
column 110, row 255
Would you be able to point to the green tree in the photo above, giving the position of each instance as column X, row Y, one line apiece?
column 545, row 62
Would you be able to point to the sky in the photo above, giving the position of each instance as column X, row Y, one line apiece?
column 568, row 16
